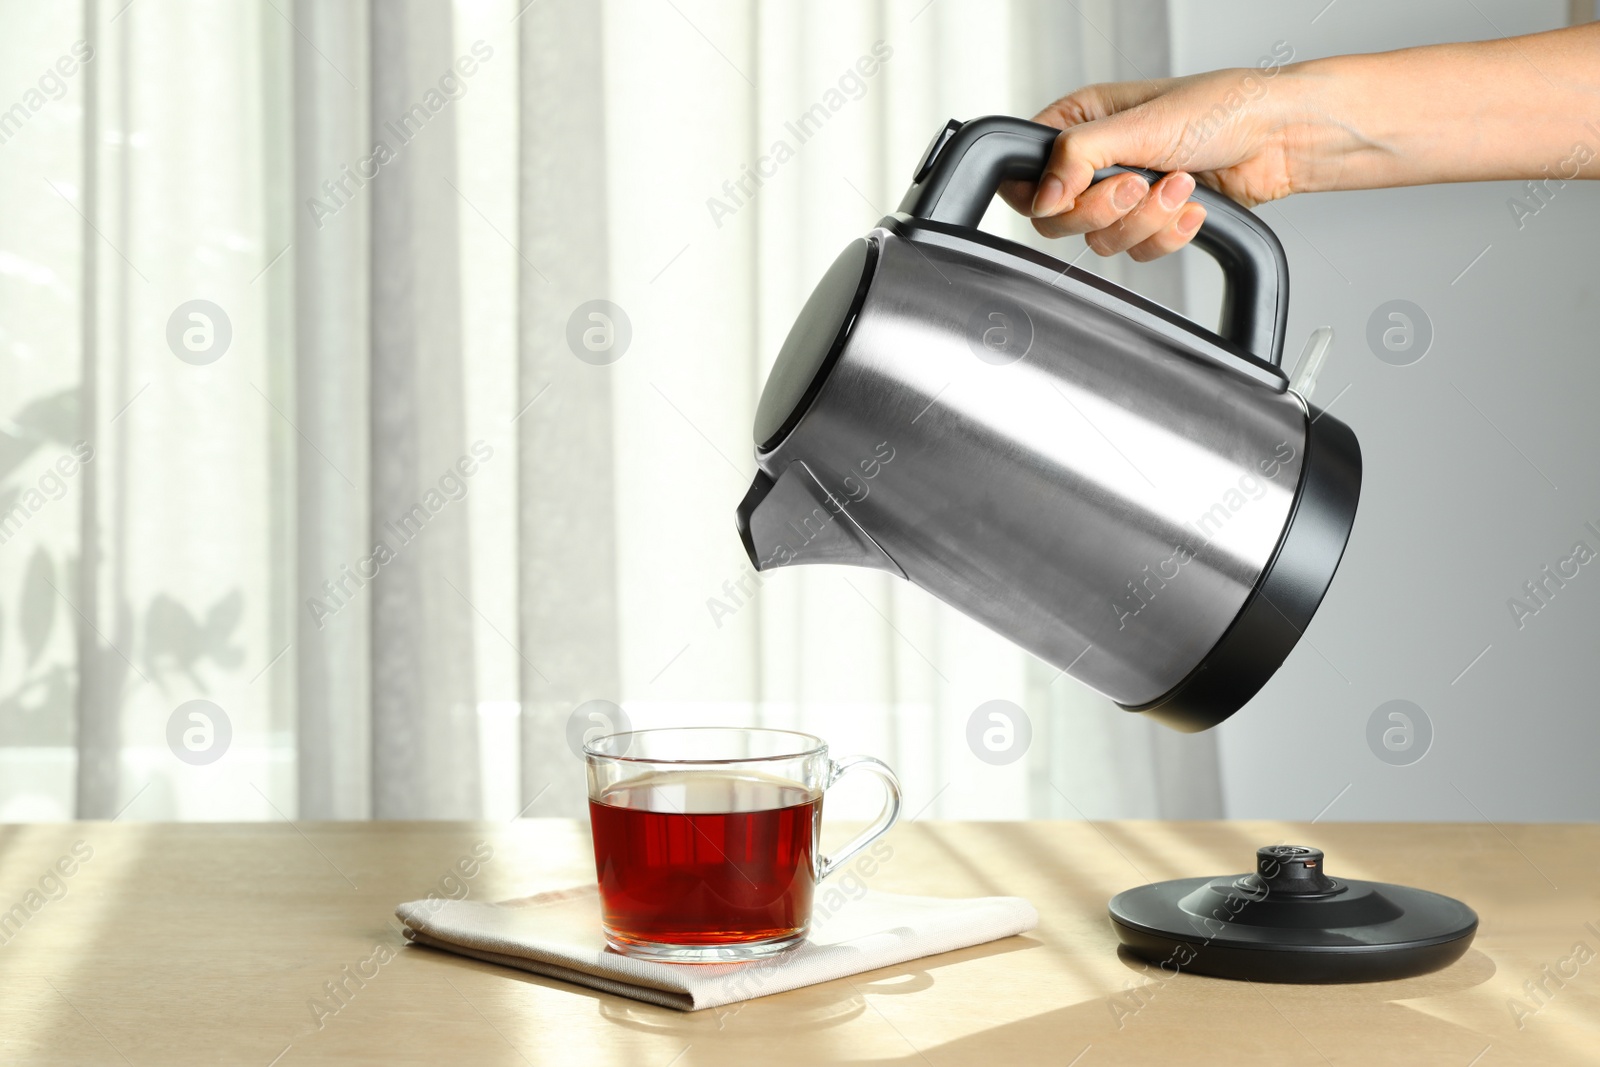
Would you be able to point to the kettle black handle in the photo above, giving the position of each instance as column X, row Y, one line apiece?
column 966, row 161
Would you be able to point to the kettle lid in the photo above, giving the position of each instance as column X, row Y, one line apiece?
column 814, row 343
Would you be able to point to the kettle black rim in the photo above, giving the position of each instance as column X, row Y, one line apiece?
column 1287, row 594
column 1300, row 965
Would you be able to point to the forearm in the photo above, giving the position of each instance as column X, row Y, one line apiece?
column 1524, row 107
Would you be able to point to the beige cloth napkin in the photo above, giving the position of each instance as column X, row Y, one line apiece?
column 558, row 935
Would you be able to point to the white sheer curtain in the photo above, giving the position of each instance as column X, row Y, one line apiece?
column 393, row 318
column 150, row 176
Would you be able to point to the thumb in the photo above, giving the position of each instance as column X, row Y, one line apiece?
column 1132, row 138
column 1081, row 107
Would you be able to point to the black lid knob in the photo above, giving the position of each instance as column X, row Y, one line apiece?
column 1292, row 870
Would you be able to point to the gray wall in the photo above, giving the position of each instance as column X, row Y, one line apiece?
column 1480, row 466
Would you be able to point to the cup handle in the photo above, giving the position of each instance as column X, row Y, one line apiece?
column 886, row 818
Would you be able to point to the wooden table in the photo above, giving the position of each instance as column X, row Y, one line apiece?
column 209, row 943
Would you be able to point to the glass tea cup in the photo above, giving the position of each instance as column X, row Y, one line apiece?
column 706, row 838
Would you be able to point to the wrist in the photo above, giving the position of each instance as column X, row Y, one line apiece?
column 1333, row 132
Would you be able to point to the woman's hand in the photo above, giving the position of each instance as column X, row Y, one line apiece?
column 1234, row 130
column 1518, row 108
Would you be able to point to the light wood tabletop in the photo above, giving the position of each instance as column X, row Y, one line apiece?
column 212, row 943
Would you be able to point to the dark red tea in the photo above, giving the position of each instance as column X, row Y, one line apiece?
column 705, row 859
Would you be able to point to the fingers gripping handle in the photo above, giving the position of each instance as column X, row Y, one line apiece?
column 1255, row 295
column 966, row 162
column 886, row 818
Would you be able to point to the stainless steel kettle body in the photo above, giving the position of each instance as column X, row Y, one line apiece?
column 1139, row 501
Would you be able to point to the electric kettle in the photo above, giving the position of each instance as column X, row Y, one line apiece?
column 1140, row 501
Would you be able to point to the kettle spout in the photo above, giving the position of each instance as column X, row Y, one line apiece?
column 795, row 520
